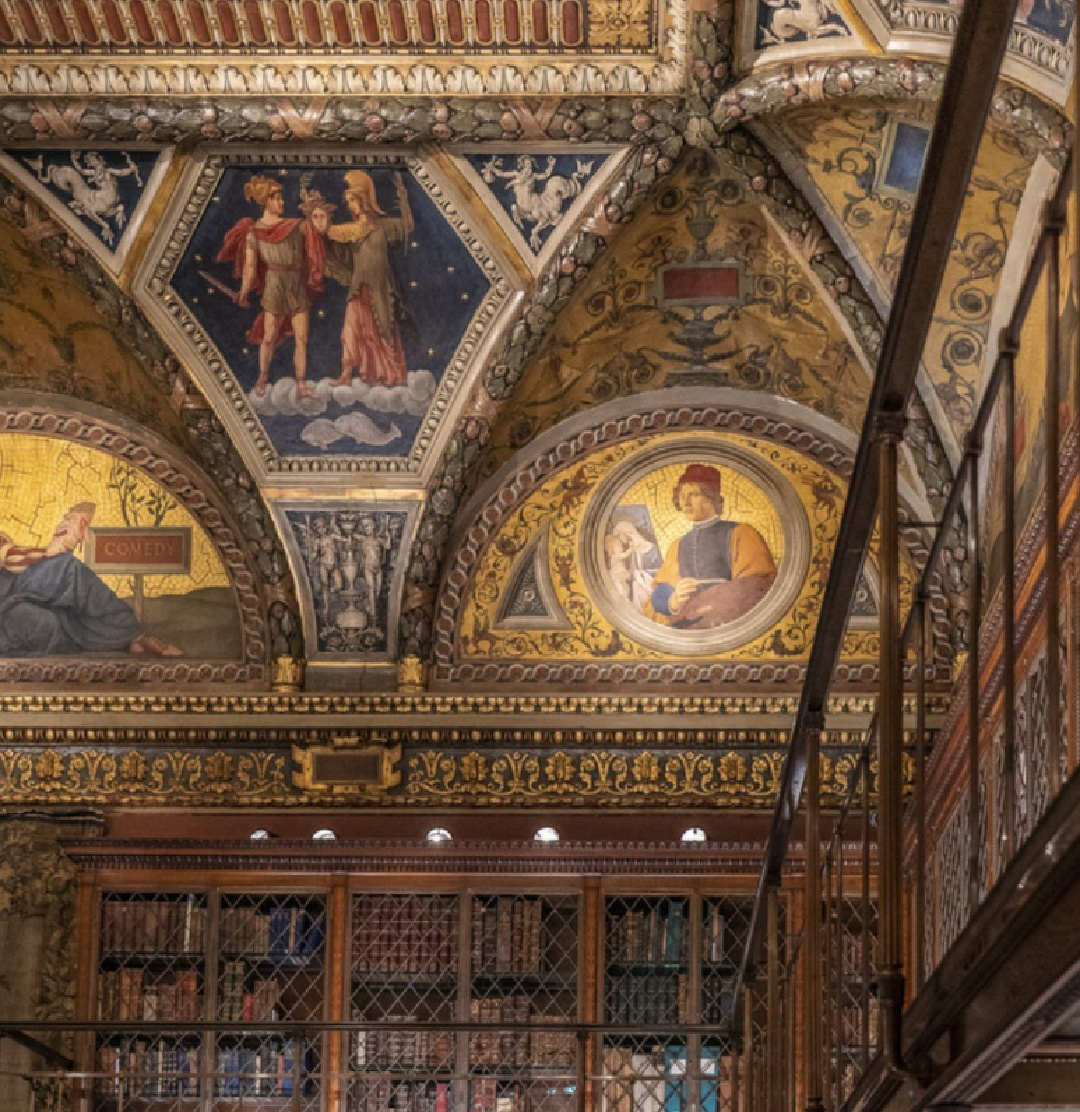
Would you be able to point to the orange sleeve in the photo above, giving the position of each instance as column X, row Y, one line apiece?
column 750, row 554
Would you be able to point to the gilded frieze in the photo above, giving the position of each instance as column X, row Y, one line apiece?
column 490, row 776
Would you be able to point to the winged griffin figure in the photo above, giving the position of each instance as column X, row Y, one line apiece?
column 93, row 185
column 539, row 196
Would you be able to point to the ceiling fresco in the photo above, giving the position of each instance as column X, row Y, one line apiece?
column 101, row 195
column 368, row 335
column 332, row 303
column 96, row 558
column 864, row 165
column 701, row 547
column 616, row 338
column 536, row 196
column 54, row 339
column 775, row 31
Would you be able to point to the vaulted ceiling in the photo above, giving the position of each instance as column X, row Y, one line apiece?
column 614, row 243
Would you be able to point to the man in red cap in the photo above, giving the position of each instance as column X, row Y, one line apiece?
column 716, row 572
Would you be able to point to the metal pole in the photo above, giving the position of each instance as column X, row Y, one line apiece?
column 828, row 939
column 973, row 451
column 1007, row 835
column 749, row 1049
column 841, row 964
column 813, row 993
column 922, row 626
column 1055, row 224
column 772, row 1014
column 864, row 912
column 890, row 747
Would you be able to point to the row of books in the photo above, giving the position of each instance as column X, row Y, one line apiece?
column 148, row 1069
column 657, row 1082
column 542, row 1049
column 398, row 1096
column 653, row 935
column 490, row 1095
column 241, row 1001
column 649, row 998
column 407, row 934
column 268, row 1071
column 401, row 1048
column 851, row 1019
column 853, row 954
column 158, row 926
column 129, row 994
column 507, row 935
column 277, row 932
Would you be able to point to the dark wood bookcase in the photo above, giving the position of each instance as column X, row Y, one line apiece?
column 405, row 955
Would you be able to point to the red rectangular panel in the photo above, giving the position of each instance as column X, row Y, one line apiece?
column 701, row 283
column 140, row 551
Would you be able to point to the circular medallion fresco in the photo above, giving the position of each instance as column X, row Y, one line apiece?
column 695, row 547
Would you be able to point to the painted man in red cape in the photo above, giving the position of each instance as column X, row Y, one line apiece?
column 281, row 259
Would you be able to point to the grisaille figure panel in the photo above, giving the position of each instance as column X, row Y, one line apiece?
column 351, row 559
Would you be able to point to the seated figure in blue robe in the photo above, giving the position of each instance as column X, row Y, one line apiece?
column 52, row 604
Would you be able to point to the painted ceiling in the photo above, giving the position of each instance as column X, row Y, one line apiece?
column 449, row 382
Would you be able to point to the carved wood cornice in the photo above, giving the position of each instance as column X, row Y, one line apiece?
column 488, row 857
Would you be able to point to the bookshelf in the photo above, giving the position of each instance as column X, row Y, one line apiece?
column 189, row 957
column 270, row 968
column 151, row 968
column 447, row 951
column 405, row 967
column 669, row 960
column 524, row 970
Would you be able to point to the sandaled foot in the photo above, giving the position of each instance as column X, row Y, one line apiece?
column 148, row 645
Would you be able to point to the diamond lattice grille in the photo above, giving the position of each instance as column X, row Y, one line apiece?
column 151, row 968
column 270, row 968
column 524, row 970
column 725, row 924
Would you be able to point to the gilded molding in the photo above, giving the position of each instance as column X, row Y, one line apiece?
column 742, row 777
column 53, row 776
column 675, row 709
column 656, row 66
column 611, row 778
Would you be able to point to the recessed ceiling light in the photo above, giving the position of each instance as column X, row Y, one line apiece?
column 694, row 834
column 324, row 835
column 546, row 834
column 437, row 835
